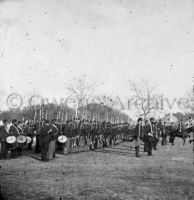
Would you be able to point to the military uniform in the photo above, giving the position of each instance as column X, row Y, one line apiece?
column 164, row 134
column 4, row 133
column 149, row 137
column 137, row 135
column 45, row 139
column 53, row 136
column 13, row 131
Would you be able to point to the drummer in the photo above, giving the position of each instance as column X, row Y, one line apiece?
column 4, row 133
column 20, row 145
column 13, row 131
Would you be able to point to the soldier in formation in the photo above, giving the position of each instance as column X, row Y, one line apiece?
column 79, row 135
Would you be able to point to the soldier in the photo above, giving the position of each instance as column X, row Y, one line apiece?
column 156, row 136
column 145, row 137
column 164, row 134
column 160, row 127
column 137, row 135
column 13, row 131
column 4, row 133
column 181, row 130
column 149, row 134
column 171, row 133
column 20, row 146
column 45, row 139
column 54, row 131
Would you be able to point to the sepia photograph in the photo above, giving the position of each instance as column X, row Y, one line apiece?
column 97, row 100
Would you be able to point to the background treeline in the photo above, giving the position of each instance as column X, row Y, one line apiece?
column 90, row 112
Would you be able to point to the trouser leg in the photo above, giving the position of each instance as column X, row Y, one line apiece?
column 149, row 148
column 4, row 150
column 19, row 150
column 13, row 152
column 51, row 149
column 155, row 143
column 44, row 151
column 37, row 147
column 163, row 141
column 145, row 146
column 137, row 151
column 173, row 140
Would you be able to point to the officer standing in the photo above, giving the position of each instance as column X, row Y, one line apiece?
column 54, row 131
column 137, row 136
column 149, row 134
column 164, row 134
column 45, row 139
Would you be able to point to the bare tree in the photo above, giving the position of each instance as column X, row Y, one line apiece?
column 145, row 97
column 188, row 105
column 81, row 89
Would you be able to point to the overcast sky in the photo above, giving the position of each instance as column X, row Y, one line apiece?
column 44, row 43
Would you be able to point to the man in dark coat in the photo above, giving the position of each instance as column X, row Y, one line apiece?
column 45, row 139
column 156, row 136
column 145, row 137
column 4, row 133
column 149, row 134
column 138, row 131
column 54, row 132
column 164, row 134
column 14, row 131
column 172, row 133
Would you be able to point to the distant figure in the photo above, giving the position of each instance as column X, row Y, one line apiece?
column 137, row 135
column 164, row 134
column 171, row 133
column 14, row 131
column 149, row 128
column 54, row 131
column 182, row 131
column 145, row 137
column 45, row 139
column 4, row 133
column 156, row 135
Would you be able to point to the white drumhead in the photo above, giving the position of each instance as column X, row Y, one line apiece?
column 62, row 138
column 21, row 139
column 28, row 139
column 10, row 139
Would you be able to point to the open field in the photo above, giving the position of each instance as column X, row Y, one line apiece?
column 110, row 174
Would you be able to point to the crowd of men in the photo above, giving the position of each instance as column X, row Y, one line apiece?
column 43, row 136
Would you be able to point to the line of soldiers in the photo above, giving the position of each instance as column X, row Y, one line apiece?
column 44, row 136
column 149, row 133
column 152, row 131
column 81, row 135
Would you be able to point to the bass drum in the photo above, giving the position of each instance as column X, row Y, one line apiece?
column 21, row 139
column 62, row 139
column 28, row 139
column 11, row 141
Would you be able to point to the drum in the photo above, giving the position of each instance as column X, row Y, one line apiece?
column 21, row 139
column 28, row 139
column 11, row 139
column 62, row 139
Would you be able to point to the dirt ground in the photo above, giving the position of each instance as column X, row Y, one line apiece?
column 109, row 174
